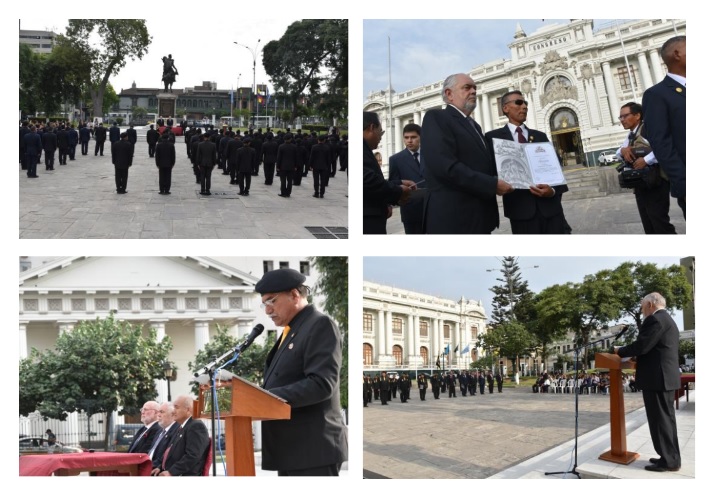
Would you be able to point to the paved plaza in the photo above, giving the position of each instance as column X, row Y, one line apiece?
column 79, row 200
column 476, row 436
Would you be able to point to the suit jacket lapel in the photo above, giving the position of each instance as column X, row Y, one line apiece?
column 460, row 118
column 676, row 86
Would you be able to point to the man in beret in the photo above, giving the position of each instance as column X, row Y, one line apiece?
column 303, row 369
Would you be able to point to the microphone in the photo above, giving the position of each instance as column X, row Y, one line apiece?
column 255, row 332
column 625, row 329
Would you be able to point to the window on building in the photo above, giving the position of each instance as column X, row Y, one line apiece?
column 424, row 329
column 499, row 107
column 397, row 326
column 424, row 353
column 398, row 354
column 283, row 265
column 446, row 331
column 368, row 324
column 368, row 354
column 473, row 332
column 268, row 265
column 625, row 80
column 305, row 267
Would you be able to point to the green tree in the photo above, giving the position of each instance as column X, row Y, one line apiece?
column 296, row 62
column 512, row 298
column 138, row 112
column 686, row 349
column 121, row 40
column 548, row 327
column 30, row 67
column 100, row 366
column 510, row 339
column 249, row 365
column 334, row 284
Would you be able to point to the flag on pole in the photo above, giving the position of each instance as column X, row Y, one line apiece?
column 465, row 350
column 438, row 364
column 446, row 350
column 456, row 348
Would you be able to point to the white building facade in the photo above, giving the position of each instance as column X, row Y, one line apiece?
column 407, row 330
column 574, row 77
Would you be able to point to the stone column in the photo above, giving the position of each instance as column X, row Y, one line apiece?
column 389, row 334
column 398, row 141
column 645, row 72
column 417, row 119
column 411, row 352
column 65, row 326
column 610, row 89
column 201, row 332
column 457, row 343
column 23, row 339
column 381, row 335
column 655, row 62
column 160, row 326
column 486, row 115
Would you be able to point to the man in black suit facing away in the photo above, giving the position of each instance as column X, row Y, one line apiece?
column 459, row 170
column 537, row 210
column 122, row 157
column 165, row 156
column 658, row 376
column 664, row 110
column 100, row 136
column 302, row 368
column 187, row 452
column 206, row 160
column 407, row 164
column 379, row 193
column 146, row 436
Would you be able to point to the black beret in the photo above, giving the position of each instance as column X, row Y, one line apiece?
column 280, row 280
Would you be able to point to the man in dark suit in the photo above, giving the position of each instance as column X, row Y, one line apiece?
column 269, row 150
column 407, row 164
column 72, row 141
column 165, row 434
column 132, row 136
column 286, row 164
column 114, row 133
column 33, row 148
column 205, row 161
column 122, row 157
column 146, row 436
column 379, row 193
column 63, row 145
column 84, row 133
column 459, row 170
column 186, row 454
column 50, row 145
column 658, row 376
column 303, row 369
column 152, row 137
column 320, row 162
column 664, row 110
column 100, row 136
column 537, row 210
column 165, row 155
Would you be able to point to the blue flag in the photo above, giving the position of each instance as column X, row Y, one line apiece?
column 465, row 350
column 446, row 350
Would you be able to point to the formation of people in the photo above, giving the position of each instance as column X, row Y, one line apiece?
column 384, row 387
column 446, row 179
column 239, row 155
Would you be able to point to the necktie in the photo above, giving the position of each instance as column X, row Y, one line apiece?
column 138, row 439
column 416, row 157
column 478, row 132
column 283, row 336
column 631, row 138
column 161, row 436
column 520, row 136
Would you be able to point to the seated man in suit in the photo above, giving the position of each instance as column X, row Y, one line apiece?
column 537, row 210
column 664, row 110
column 144, row 438
column 186, row 454
column 407, row 165
column 165, row 435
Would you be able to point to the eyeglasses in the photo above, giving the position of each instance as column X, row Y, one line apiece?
column 518, row 102
column 623, row 117
column 381, row 132
column 269, row 302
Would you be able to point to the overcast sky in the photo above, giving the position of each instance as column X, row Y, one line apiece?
column 454, row 277
column 425, row 51
column 200, row 53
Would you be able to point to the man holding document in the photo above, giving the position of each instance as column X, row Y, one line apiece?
column 533, row 207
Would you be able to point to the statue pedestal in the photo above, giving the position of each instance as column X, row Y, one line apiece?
column 166, row 105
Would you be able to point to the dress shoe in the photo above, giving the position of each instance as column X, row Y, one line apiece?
column 657, row 468
column 321, row 196
column 282, row 195
column 240, row 193
column 654, row 460
column 316, row 195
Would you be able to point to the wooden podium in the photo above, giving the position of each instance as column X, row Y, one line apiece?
column 618, row 439
column 240, row 402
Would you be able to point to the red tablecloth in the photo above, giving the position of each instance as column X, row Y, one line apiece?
column 71, row 464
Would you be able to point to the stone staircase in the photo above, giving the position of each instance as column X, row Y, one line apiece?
column 589, row 183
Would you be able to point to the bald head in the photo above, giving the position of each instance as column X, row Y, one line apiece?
column 149, row 412
column 182, row 408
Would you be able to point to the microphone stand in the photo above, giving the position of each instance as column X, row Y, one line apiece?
column 577, row 391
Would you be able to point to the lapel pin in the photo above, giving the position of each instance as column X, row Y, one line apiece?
column 678, row 89
column 291, row 346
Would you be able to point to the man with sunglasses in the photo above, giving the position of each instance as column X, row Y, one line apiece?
column 302, row 368
column 537, row 210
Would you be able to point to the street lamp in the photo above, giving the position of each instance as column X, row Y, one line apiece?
column 253, row 85
column 168, row 372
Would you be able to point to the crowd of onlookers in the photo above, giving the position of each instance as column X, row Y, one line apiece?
column 587, row 383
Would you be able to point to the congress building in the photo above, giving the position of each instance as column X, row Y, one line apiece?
column 575, row 77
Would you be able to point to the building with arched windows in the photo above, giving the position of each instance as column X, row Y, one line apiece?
column 407, row 331
column 574, row 76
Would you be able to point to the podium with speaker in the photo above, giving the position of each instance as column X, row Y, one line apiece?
column 239, row 403
column 618, row 452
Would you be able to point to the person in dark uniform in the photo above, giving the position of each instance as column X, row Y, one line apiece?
column 23, row 130
column 50, row 144
column 152, row 137
column 435, row 385
column 205, row 161
column 498, row 377
column 405, row 386
column 245, row 158
column 422, row 384
column 463, row 383
column 84, row 133
column 443, row 382
column 165, row 155
column 393, row 387
column 375, row 387
column 481, row 382
column 658, row 376
column 471, row 383
column 367, row 387
column 490, row 382
column 33, row 149
column 232, row 148
column 320, row 162
column 384, row 388
column 132, row 136
column 122, row 157
column 100, row 136
column 269, row 150
column 114, row 134
column 286, row 165
column 63, row 145
column 344, row 153
column 302, row 161
column 451, row 385
column 72, row 141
